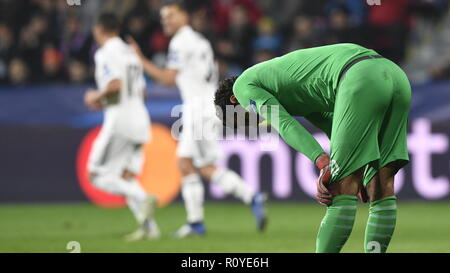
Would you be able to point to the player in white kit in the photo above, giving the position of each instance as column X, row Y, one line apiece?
column 117, row 155
column 191, row 67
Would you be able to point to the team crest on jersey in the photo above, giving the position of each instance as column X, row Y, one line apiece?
column 252, row 106
column 106, row 71
column 173, row 57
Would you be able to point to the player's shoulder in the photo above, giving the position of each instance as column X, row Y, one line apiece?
column 244, row 79
column 188, row 37
column 99, row 54
column 250, row 76
column 110, row 50
column 241, row 88
column 250, row 73
column 116, row 46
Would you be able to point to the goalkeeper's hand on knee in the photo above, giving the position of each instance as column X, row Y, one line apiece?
column 323, row 196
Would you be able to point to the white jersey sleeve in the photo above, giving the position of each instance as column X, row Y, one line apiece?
column 177, row 55
column 107, row 69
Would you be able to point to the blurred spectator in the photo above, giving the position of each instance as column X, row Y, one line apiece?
column 281, row 12
column 75, row 43
column 428, row 43
column 340, row 29
column 52, row 65
column 223, row 11
column 441, row 71
column 355, row 9
column 77, row 72
column 6, row 50
column 303, row 35
column 30, row 49
column 201, row 23
column 153, row 10
column 263, row 55
column 389, row 24
column 136, row 26
column 158, row 46
column 227, row 69
column 120, row 7
column 18, row 72
column 267, row 38
column 316, row 8
column 237, row 45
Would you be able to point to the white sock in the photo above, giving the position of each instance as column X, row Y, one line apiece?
column 136, row 204
column 136, row 190
column 136, row 209
column 149, row 224
column 193, row 193
column 231, row 183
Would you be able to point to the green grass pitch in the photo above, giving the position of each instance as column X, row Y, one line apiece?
column 422, row 227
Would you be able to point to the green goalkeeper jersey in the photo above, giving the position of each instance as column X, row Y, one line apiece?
column 301, row 83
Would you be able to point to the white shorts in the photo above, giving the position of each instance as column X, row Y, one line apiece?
column 112, row 154
column 203, row 150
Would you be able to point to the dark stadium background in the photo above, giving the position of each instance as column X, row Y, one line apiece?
column 46, row 63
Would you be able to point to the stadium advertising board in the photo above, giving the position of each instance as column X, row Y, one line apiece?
column 45, row 147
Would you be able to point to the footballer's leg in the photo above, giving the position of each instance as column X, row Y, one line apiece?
column 379, row 180
column 231, row 183
column 110, row 156
column 337, row 224
column 192, row 191
column 143, row 210
column 141, row 204
column 106, row 163
column 382, row 210
column 362, row 100
column 192, row 188
column 227, row 180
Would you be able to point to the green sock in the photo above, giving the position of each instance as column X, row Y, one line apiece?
column 337, row 224
column 380, row 225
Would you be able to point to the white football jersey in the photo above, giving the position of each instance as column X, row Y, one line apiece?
column 192, row 55
column 126, row 115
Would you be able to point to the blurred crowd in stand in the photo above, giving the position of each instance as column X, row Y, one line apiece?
column 50, row 41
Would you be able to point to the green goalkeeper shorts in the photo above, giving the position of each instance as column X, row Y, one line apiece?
column 370, row 119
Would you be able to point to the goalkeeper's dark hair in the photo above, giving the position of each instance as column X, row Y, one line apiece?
column 109, row 22
column 223, row 94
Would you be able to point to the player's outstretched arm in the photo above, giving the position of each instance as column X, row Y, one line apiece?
column 292, row 132
column 301, row 140
column 162, row 75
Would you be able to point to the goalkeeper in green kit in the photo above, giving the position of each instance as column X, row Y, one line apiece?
column 361, row 101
